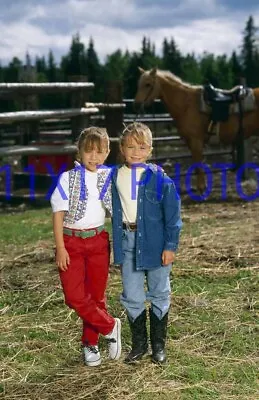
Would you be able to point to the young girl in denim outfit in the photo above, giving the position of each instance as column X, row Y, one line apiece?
column 79, row 203
column 146, row 228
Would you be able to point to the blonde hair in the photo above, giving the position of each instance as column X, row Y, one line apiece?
column 91, row 138
column 137, row 131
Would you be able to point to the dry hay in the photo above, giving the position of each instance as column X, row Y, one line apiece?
column 219, row 241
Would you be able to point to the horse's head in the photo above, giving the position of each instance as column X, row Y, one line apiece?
column 148, row 87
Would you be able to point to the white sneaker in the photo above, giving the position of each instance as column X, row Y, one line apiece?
column 114, row 340
column 92, row 356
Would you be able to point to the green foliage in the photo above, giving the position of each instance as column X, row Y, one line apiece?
column 172, row 60
column 81, row 60
column 74, row 63
column 191, row 71
column 250, row 54
column 116, row 65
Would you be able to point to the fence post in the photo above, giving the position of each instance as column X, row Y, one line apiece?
column 243, row 146
column 114, row 117
column 78, row 98
column 29, row 130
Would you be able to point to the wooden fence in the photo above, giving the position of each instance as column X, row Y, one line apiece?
column 37, row 138
column 48, row 136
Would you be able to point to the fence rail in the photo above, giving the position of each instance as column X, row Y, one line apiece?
column 45, row 87
column 111, row 114
column 20, row 116
column 37, row 150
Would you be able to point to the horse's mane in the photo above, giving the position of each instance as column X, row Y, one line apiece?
column 176, row 80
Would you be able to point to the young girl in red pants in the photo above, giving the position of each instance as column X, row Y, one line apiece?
column 79, row 203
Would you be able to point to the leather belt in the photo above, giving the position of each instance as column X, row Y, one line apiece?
column 83, row 233
column 132, row 227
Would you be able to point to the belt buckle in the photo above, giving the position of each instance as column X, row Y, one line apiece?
column 129, row 227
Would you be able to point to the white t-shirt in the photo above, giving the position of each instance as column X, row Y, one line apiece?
column 95, row 211
column 128, row 191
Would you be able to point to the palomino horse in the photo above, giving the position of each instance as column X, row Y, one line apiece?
column 183, row 102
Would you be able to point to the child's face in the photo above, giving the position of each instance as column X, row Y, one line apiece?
column 134, row 152
column 94, row 157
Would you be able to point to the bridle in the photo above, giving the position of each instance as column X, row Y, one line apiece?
column 142, row 106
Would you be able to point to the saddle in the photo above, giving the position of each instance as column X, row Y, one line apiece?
column 220, row 100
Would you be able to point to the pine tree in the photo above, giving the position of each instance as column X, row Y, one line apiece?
column 225, row 74
column 1, row 73
column 13, row 70
column 132, row 75
column 236, row 68
column 209, row 71
column 74, row 62
column 249, row 53
column 51, row 68
column 93, row 71
column 172, row 58
column 92, row 63
column 116, row 65
column 191, row 70
column 148, row 58
column 40, row 64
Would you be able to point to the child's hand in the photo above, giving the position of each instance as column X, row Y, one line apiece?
column 168, row 257
column 62, row 258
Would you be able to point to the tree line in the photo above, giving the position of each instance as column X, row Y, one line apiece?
column 222, row 71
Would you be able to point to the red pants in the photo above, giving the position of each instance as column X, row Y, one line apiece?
column 84, row 283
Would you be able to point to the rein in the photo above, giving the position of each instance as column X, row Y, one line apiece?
column 142, row 107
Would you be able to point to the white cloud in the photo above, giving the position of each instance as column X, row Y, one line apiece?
column 216, row 36
column 22, row 37
column 196, row 25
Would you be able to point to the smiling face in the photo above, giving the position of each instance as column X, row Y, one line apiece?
column 136, row 144
column 94, row 157
column 93, row 147
column 134, row 152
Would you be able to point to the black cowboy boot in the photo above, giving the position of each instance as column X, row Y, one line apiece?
column 158, row 330
column 139, row 338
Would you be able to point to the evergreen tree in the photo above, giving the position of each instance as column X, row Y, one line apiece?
column 92, row 63
column 116, row 65
column 172, row 58
column 94, row 72
column 1, row 73
column 224, row 70
column 191, row 70
column 249, row 53
column 208, row 68
column 73, row 64
column 51, row 68
column 148, row 58
column 12, row 72
column 41, row 68
column 131, row 76
column 236, row 68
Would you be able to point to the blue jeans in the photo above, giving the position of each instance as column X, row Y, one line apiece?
column 134, row 294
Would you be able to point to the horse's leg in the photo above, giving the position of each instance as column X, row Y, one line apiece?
column 196, row 148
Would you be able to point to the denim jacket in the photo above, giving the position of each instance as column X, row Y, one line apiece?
column 158, row 218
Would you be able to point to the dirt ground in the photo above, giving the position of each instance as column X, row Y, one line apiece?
column 212, row 335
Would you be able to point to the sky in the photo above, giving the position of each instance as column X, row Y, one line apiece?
column 36, row 26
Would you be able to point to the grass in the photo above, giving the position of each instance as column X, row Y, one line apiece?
column 212, row 338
